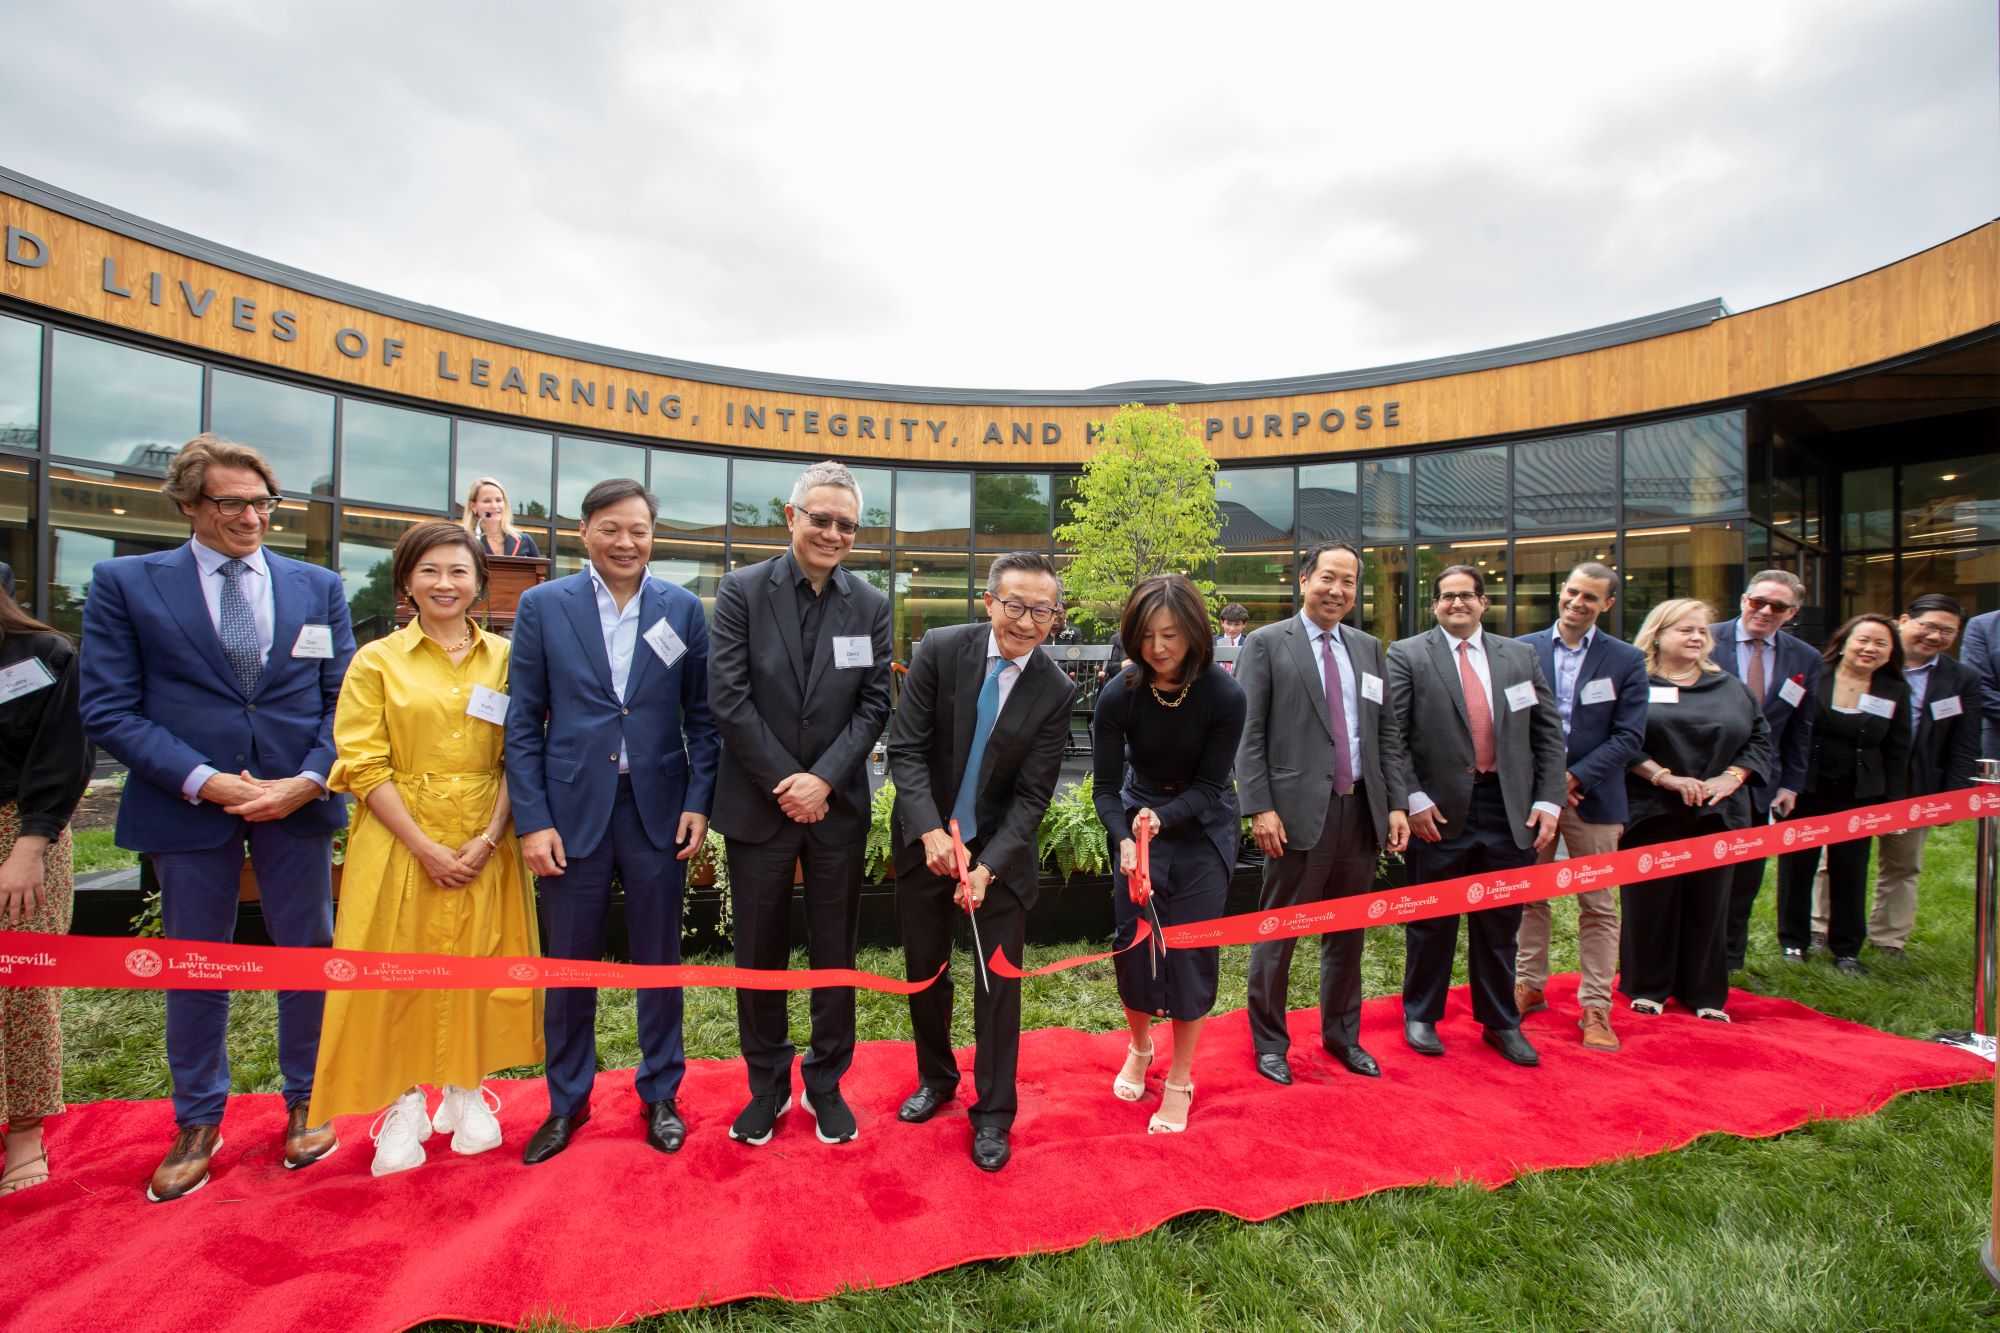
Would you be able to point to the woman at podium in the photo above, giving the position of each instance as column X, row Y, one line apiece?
column 489, row 517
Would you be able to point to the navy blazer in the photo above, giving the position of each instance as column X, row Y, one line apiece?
column 1945, row 752
column 158, row 695
column 1980, row 655
column 1604, row 738
column 1791, row 724
column 565, row 722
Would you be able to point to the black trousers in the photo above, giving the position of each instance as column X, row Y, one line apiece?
column 1671, row 931
column 1485, row 844
column 928, row 916
column 760, row 892
column 1846, row 880
column 1340, row 865
column 1746, row 878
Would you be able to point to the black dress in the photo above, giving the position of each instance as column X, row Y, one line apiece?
column 1671, row 932
column 1176, row 762
column 520, row 544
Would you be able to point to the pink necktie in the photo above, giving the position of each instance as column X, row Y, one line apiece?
column 1478, row 712
column 1336, row 712
column 1756, row 681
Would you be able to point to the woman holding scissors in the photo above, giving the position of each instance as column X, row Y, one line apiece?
column 1164, row 737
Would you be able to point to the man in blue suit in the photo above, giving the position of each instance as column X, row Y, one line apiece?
column 211, row 671
column 1782, row 673
column 611, row 758
column 1600, row 688
column 1981, row 656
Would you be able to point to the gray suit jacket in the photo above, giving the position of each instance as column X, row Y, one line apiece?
column 1285, row 760
column 1430, row 704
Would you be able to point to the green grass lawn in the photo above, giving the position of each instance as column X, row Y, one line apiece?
column 96, row 851
column 1864, row 1224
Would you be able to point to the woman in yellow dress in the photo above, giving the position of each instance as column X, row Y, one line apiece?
column 432, row 865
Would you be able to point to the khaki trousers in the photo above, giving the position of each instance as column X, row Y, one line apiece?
column 1899, row 862
column 1596, row 923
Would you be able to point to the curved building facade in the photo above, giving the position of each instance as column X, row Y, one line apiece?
column 1851, row 434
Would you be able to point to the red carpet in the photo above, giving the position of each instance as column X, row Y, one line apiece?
column 611, row 1230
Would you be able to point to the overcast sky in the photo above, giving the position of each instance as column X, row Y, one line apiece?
column 1029, row 195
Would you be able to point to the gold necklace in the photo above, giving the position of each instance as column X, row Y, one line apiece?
column 461, row 645
column 1690, row 676
column 1165, row 702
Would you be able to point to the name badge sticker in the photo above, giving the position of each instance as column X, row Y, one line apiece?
column 1663, row 694
column 1791, row 692
column 1520, row 696
column 1876, row 704
column 1371, row 687
column 852, row 650
column 314, row 641
column 1599, row 691
column 488, row 705
column 24, row 677
column 1949, row 706
column 667, row 644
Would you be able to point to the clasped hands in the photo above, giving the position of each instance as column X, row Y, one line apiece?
column 259, row 800
column 803, row 797
column 450, row 869
column 1702, row 791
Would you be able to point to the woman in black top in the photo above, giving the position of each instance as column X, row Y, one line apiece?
column 1164, row 737
column 1705, row 738
column 490, row 519
column 44, row 768
column 1860, row 755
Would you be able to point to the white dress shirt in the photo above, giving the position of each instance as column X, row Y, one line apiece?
column 1350, row 696
column 621, row 640
column 1420, row 802
column 1016, row 665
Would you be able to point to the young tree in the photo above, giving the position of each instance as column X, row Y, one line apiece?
column 1145, row 505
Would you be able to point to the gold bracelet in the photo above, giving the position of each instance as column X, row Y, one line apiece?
column 487, row 838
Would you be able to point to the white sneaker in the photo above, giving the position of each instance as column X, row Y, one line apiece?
column 399, row 1135
column 471, row 1123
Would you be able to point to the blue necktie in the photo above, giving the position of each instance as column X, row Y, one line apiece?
column 964, row 809
column 239, row 628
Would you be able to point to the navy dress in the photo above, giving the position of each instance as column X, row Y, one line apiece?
column 1175, row 762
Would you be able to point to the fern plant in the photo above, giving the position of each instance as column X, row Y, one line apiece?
column 878, row 857
column 1070, row 837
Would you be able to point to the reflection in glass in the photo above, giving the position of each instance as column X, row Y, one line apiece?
column 17, row 527
column 1462, row 493
column 1385, row 609
column 1566, row 483
column 1684, row 469
column 872, row 568
column 367, row 538
column 1955, row 500
column 1543, row 564
column 95, row 515
column 581, row 464
column 1329, row 504
column 518, row 459
column 696, row 566
column 1702, row 560
column 758, row 494
column 1868, row 508
column 1489, row 558
column 693, row 491
column 302, row 530
column 1385, row 499
column 1868, row 583
column 1255, row 505
column 932, row 589
column 1970, row 575
column 933, row 508
column 20, row 386
column 120, row 405
column 1010, row 510
column 290, row 426
column 1263, row 582
column 393, row 456
column 1065, row 484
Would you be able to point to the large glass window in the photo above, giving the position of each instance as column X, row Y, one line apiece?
column 17, row 527
column 1385, row 499
column 581, row 464
column 1255, row 504
column 693, row 491
column 1462, row 493
column 1385, row 592
column 1684, row 469
column 1329, row 504
column 1489, row 558
column 95, row 515
column 1542, row 564
column 1566, row 483
column 1065, row 484
column 1868, row 508
column 392, row 456
column 518, row 459
column 932, row 590
column 1010, row 510
column 696, row 566
column 20, row 385
column 367, row 539
column 758, row 494
column 1264, row 583
column 1970, row 575
column 933, row 508
column 290, row 426
column 120, row 405
column 303, row 530
column 1868, row 583
column 1956, row 500
column 1702, row 560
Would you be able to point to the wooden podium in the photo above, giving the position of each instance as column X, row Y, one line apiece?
column 507, row 577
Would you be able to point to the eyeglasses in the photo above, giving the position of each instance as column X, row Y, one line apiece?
column 1447, row 598
column 847, row 527
column 232, row 506
column 1766, row 604
column 1933, row 631
column 1042, row 615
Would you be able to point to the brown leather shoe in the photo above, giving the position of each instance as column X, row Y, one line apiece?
column 185, row 1168
column 1528, row 1000
column 1597, row 1033
column 304, row 1146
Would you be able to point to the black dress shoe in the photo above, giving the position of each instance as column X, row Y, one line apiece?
column 989, row 1148
column 923, row 1104
column 1357, row 1060
column 554, row 1136
column 1422, row 1037
column 665, row 1129
column 1276, row 1068
column 1510, row 1043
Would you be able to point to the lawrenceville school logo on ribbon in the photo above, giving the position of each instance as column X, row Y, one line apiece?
column 1853, row 823
column 523, row 972
column 1267, row 925
column 1377, row 908
column 144, row 963
column 1645, row 863
column 1791, row 836
column 1721, row 848
column 1563, row 877
column 1474, row 891
column 338, row 969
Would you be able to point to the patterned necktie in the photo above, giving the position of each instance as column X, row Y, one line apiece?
column 1478, row 712
column 239, row 628
column 965, row 808
column 1756, row 680
column 1336, row 712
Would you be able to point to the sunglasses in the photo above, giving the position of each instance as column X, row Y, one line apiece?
column 847, row 527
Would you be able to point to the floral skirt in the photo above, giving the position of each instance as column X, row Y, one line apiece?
column 31, row 1016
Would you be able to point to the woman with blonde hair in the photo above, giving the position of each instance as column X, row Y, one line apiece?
column 1705, row 738
column 489, row 516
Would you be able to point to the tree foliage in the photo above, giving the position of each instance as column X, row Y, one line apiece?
column 1145, row 505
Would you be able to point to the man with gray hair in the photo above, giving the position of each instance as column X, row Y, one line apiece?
column 799, row 714
column 1782, row 674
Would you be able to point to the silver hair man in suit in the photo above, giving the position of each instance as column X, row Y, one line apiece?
column 1485, row 776
column 798, row 713
column 1320, row 773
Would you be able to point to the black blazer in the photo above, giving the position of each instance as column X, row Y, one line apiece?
column 932, row 735
column 776, row 720
column 1880, row 754
column 1945, row 753
column 1791, row 727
